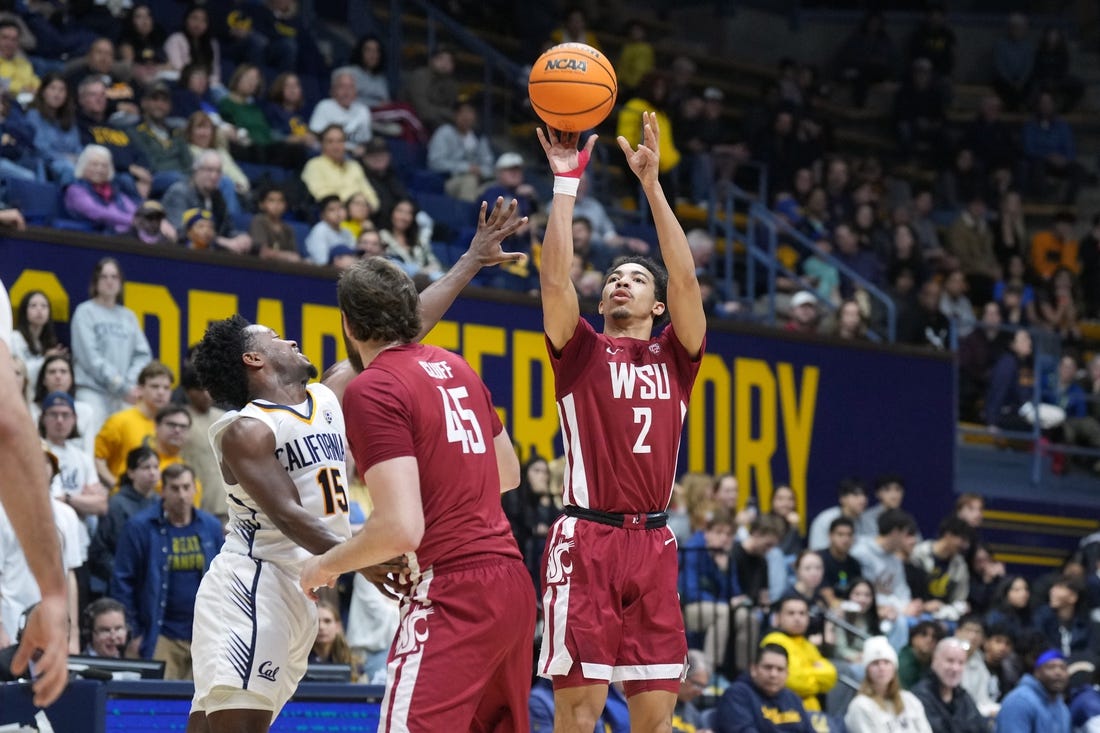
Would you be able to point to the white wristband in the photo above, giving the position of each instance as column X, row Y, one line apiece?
column 566, row 185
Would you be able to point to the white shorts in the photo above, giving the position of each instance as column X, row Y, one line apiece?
column 254, row 628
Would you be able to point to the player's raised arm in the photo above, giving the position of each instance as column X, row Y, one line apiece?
column 560, row 307
column 685, row 301
column 248, row 459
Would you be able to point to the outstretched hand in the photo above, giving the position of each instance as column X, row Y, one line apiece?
column 45, row 642
column 391, row 578
column 561, row 151
column 493, row 229
column 313, row 577
column 645, row 161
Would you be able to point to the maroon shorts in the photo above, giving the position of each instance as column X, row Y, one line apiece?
column 461, row 659
column 610, row 606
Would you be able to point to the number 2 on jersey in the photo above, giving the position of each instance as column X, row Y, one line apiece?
column 462, row 426
column 332, row 490
column 643, row 415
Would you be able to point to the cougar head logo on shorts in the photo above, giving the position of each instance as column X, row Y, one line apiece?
column 409, row 637
column 556, row 567
column 267, row 671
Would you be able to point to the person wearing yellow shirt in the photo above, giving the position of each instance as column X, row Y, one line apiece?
column 651, row 98
column 332, row 174
column 173, row 427
column 133, row 427
column 16, row 71
column 636, row 59
column 810, row 674
column 575, row 30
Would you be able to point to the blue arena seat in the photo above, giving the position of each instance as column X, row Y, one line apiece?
column 39, row 202
column 446, row 210
column 423, row 180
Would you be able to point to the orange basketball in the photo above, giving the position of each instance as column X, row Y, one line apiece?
column 572, row 87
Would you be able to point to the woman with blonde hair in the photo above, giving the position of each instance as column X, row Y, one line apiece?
column 881, row 706
column 330, row 647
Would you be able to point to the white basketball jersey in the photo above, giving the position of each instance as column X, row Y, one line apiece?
column 310, row 445
column 5, row 316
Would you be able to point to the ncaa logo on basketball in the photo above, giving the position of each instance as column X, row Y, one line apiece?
column 560, row 64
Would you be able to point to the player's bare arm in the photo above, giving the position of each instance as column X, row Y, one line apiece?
column 395, row 526
column 685, row 301
column 507, row 461
column 249, row 459
column 26, row 498
column 560, row 308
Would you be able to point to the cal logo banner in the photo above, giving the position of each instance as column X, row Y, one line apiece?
column 771, row 408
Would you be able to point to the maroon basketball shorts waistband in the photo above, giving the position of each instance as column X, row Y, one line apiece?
column 643, row 520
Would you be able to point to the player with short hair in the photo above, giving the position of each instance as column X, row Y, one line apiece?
column 282, row 450
column 425, row 436
column 610, row 565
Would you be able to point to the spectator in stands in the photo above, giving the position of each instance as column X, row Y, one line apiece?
column 168, row 154
column 1059, row 304
column 1080, row 428
column 195, row 43
column 56, row 375
column 603, row 229
column 383, row 178
column 1013, row 62
column 944, row 560
column 18, row 159
column 162, row 554
column 357, row 215
column 1012, row 608
column 685, row 716
column 810, row 673
column 192, row 94
column 151, row 225
column 1010, row 231
column 201, row 191
column 255, row 142
column 200, row 135
column 408, row 242
column 343, row 109
column 76, row 482
column 915, row 658
column 970, row 240
column 367, row 69
column 1064, row 618
column 976, row 678
column 839, row 568
column 881, row 704
column 370, row 243
column 104, row 629
column 809, row 570
column 16, row 71
column 1050, row 151
column 457, row 151
column 867, row 57
column 196, row 450
column 964, row 180
column 1051, row 72
column 372, row 623
column 956, row 306
column 933, row 39
column 509, row 185
column 1036, row 705
column 333, row 173
column 862, row 261
column 328, row 233
column 653, row 97
column 52, row 116
column 141, row 43
column 432, row 90
column 760, row 700
column 35, row 337
column 287, row 112
column 947, row 704
column 1090, row 268
column 1001, row 660
column 95, row 127
column 985, row 575
column 878, row 556
column 1084, row 695
column 1056, row 248
column 921, row 322
column 636, row 57
column 905, row 252
column 96, row 195
column 784, row 506
column 197, row 229
column 708, row 587
column 1010, row 386
column 273, row 237
column 574, row 30
column 133, row 427
column 290, row 43
column 920, row 112
column 859, row 612
column 803, row 316
column 99, row 63
column 889, row 493
column 331, row 646
column 749, row 560
column 991, row 138
column 978, row 352
column 137, row 490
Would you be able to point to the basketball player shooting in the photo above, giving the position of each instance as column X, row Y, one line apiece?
column 609, row 570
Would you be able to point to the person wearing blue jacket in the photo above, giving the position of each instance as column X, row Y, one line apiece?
column 161, row 557
column 759, row 701
column 708, row 585
column 1036, row 705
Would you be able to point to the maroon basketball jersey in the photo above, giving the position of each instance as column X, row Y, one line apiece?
column 621, row 403
column 423, row 401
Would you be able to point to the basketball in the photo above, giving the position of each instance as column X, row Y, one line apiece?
column 572, row 87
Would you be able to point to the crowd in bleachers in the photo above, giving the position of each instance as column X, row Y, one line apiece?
column 228, row 128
